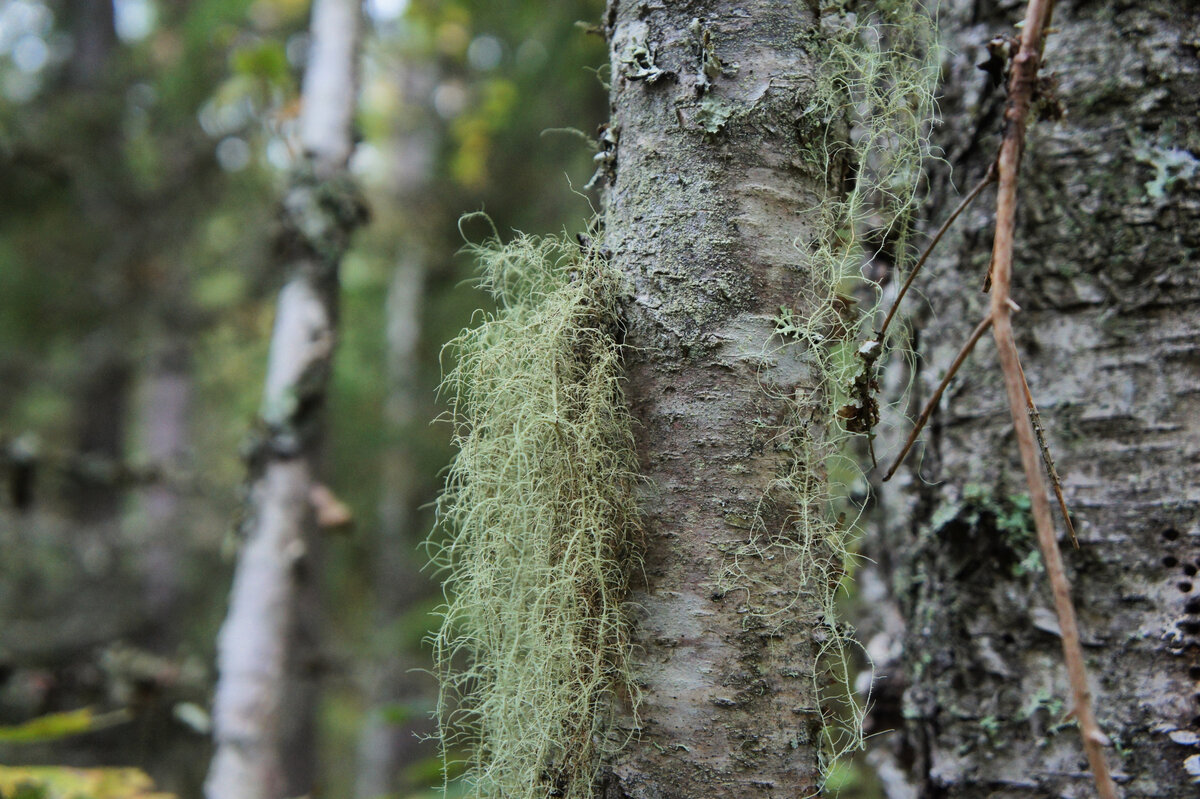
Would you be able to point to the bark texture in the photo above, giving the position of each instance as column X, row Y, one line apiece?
column 256, row 724
column 1106, row 275
column 711, row 189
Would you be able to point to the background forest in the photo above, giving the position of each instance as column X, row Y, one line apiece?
column 165, row 194
column 143, row 146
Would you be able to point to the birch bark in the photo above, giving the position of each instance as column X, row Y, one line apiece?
column 254, row 648
column 1105, row 272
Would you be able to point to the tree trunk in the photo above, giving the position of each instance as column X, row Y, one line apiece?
column 94, row 35
column 254, row 728
column 165, row 419
column 1106, row 275
column 711, row 189
column 388, row 744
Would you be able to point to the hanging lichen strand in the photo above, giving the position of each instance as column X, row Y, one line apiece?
column 879, row 79
column 541, row 522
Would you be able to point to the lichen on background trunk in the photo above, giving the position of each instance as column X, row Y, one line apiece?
column 1105, row 272
column 735, row 217
column 264, row 707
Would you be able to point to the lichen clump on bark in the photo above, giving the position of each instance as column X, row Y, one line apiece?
column 541, row 519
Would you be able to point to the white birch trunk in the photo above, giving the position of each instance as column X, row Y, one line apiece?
column 253, row 648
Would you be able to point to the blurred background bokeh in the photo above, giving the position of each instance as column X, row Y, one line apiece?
column 143, row 147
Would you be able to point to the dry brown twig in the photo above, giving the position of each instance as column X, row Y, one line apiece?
column 1026, row 421
column 976, row 334
column 988, row 180
column 1022, row 83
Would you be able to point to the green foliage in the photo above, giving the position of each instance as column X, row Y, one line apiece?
column 53, row 726
column 540, row 508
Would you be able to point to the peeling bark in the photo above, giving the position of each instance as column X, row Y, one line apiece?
column 711, row 189
column 1105, row 272
column 256, row 731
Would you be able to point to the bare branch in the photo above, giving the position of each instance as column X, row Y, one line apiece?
column 976, row 334
column 988, row 179
column 1020, row 93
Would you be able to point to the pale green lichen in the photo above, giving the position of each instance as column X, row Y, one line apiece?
column 1174, row 167
column 542, row 524
column 878, row 80
column 539, row 505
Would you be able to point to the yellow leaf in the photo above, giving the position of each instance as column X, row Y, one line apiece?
column 57, row 782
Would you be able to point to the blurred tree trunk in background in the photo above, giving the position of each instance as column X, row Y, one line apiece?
column 103, row 393
column 1107, row 276
column 165, row 417
column 93, row 35
column 399, row 689
column 263, row 708
column 389, row 737
column 708, row 202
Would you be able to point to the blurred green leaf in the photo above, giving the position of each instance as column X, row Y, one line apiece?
column 60, row 725
column 265, row 60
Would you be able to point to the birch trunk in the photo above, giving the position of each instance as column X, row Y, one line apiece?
column 710, row 193
column 254, row 648
column 1106, row 275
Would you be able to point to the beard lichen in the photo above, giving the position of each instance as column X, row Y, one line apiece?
column 875, row 102
column 539, row 505
column 541, row 526
column 881, row 76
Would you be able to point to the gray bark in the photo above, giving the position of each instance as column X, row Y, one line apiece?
column 1106, row 276
column 709, row 186
column 255, row 731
